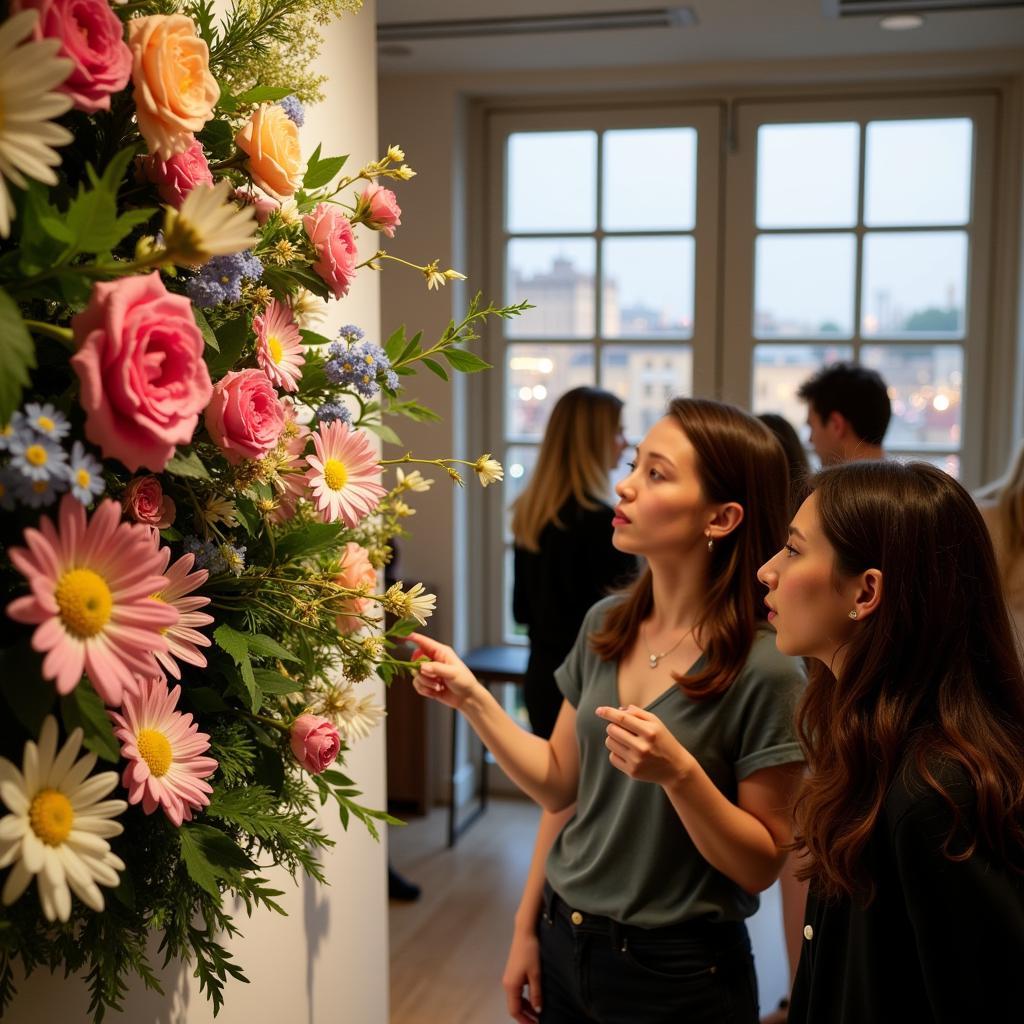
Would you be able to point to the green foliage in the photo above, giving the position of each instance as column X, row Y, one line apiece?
column 17, row 357
column 82, row 708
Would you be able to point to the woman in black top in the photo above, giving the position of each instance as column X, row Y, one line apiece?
column 564, row 558
column 911, row 819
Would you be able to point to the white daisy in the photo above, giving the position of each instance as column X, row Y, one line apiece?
column 413, row 481
column 412, row 604
column 208, row 225
column 59, row 824
column 29, row 72
column 354, row 716
column 488, row 470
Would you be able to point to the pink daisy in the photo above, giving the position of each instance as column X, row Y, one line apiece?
column 163, row 748
column 183, row 639
column 344, row 474
column 279, row 346
column 92, row 584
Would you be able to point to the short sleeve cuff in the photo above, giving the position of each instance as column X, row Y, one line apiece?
column 567, row 684
column 769, row 757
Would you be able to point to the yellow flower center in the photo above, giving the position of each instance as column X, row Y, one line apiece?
column 83, row 478
column 85, row 601
column 155, row 750
column 276, row 350
column 7, row 430
column 36, row 454
column 335, row 474
column 46, row 424
column 51, row 816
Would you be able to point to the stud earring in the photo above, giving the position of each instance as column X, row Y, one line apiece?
column 853, row 614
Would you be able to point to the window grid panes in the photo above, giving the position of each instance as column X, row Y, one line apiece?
column 610, row 265
column 892, row 287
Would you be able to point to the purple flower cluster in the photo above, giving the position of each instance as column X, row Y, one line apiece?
column 363, row 366
column 293, row 107
column 220, row 280
column 219, row 559
column 331, row 411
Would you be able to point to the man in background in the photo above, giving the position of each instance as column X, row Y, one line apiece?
column 848, row 413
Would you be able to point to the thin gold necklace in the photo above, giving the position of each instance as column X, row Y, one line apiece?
column 653, row 658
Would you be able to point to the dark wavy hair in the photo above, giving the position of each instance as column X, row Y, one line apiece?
column 931, row 679
column 738, row 459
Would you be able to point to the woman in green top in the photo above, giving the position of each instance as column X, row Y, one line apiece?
column 674, row 742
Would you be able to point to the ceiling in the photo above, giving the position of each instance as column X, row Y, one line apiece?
column 726, row 30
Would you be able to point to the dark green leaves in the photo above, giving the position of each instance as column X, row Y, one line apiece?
column 319, row 171
column 210, row 855
column 464, row 361
column 308, row 540
column 17, row 357
column 241, row 646
column 188, row 464
column 263, row 94
column 83, row 708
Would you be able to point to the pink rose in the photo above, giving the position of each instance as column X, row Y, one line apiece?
column 331, row 234
column 145, row 502
column 140, row 362
column 265, row 208
column 176, row 176
column 356, row 572
column 244, row 416
column 381, row 209
column 315, row 743
column 92, row 36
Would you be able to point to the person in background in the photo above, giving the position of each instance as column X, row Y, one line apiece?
column 675, row 742
column 1002, row 508
column 848, row 411
column 791, row 887
column 911, row 818
column 562, row 525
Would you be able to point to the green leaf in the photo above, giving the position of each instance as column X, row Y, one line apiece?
column 319, row 171
column 312, row 338
column 209, row 855
column 205, row 698
column 412, row 349
column 268, row 647
column 308, row 540
column 264, row 94
column 236, row 644
column 394, row 345
column 205, row 329
column 384, row 432
column 171, row 534
column 414, row 410
column 273, row 682
column 188, row 465
column 286, row 279
column 23, row 689
column 219, row 138
column 435, row 368
column 83, row 708
column 44, row 235
column 403, row 627
column 17, row 357
column 465, row 362
column 92, row 216
column 231, row 337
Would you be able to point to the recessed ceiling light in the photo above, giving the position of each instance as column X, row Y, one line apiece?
column 901, row 22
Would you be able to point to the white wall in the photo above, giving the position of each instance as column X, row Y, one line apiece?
column 327, row 962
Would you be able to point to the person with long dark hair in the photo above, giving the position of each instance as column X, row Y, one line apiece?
column 911, row 819
column 675, row 742
column 562, row 525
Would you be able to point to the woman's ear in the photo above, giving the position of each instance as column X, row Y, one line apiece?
column 869, row 593
column 724, row 520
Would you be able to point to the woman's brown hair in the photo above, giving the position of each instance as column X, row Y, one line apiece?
column 738, row 459
column 572, row 462
column 931, row 676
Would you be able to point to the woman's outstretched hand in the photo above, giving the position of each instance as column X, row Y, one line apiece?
column 641, row 746
column 443, row 676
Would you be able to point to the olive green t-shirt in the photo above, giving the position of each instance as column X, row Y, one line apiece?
column 625, row 854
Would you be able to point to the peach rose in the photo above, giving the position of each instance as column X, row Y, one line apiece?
column 244, row 416
column 145, row 502
column 271, row 140
column 356, row 572
column 174, row 91
column 140, row 361
column 314, row 742
column 331, row 234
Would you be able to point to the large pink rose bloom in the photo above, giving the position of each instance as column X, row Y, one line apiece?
column 92, row 36
column 331, row 234
column 244, row 417
column 315, row 743
column 140, row 361
column 176, row 176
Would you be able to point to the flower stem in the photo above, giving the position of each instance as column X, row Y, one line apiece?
column 61, row 334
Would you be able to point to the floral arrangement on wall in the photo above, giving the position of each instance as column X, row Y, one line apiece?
column 194, row 516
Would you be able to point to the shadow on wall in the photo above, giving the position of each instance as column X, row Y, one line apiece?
column 316, row 916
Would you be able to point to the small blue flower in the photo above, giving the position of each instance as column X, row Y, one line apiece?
column 220, row 280
column 12, row 430
column 85, row 474
column 207, row 554
column 293, row 107
column 46, row 420
column 351, row 333
column 331, row 411
column 8, row 488
column 38, row 493
column 359, row 366
column 37, row 457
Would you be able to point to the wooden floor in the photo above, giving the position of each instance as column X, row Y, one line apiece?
column 448, row 949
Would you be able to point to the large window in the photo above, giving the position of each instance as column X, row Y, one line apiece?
column 847, row 229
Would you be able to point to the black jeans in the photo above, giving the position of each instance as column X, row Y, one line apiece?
column 597, row 971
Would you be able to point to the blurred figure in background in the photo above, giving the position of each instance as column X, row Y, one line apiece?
column 848, row 411
column 562, row 525
column 1002, row 508
column 799, row 467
